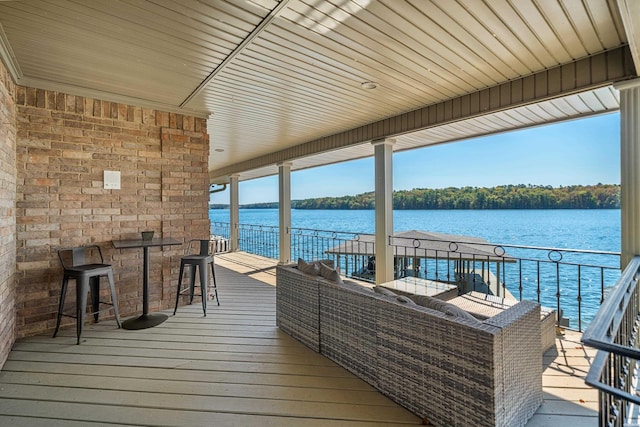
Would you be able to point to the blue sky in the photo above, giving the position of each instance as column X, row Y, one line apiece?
column 585, row 151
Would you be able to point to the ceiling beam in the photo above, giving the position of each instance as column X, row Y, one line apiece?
column 238, row 50
column 109, row 96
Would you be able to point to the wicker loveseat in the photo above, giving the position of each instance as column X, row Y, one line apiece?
column 448, row 370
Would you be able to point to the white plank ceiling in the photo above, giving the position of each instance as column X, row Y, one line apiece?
column 274, row 75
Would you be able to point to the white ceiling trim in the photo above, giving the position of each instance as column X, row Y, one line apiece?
column 9, row 58
column 630, row 14
column 107, row 96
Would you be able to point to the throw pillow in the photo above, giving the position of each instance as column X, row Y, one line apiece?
column 405, row 300
column 330, row 274
column 455, row 311
column 443, row 306
column 327, row 262
column 429, row 302
column 308, row 267
column 350, row 284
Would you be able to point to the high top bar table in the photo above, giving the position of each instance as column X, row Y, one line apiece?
column 146, row 319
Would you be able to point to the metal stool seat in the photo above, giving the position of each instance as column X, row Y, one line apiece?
column 200, row 261
column 86, row 266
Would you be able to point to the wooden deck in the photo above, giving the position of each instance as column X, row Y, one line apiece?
column 233, row 367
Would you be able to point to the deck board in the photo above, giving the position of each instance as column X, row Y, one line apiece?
column 346, row 383
column 232, row 367
column 229, row 403
column 200, row 388
column 27, row 411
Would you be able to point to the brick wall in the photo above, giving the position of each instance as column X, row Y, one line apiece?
column 64, row 144
column 7, row 213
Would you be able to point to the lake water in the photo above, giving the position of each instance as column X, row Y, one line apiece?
column 579, row 229
column 595, row 230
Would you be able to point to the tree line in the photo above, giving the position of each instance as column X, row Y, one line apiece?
column 600, row 196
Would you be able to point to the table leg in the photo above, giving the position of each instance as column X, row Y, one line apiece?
column 145, row 281
column 146, row 320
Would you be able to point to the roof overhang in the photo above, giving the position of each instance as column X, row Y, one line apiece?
column 286, row 81
column 578, row 89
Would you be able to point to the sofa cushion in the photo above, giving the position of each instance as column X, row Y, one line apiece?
column 384, row 291
column 429, row 302
column 350, row 284
column 330, row 274
column 452, row 310
column 312, row 268
column 442, row 306
column 405, row 300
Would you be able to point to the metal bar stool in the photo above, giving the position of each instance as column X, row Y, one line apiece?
column 200, row 261
column 85, row 265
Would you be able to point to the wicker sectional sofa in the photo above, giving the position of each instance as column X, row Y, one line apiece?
column 448, row 370
column 484, row 306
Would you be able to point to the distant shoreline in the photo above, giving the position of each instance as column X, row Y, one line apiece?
column 223, row 207
column 506, row 197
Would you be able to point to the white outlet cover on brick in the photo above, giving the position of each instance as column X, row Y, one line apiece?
column 112, row 180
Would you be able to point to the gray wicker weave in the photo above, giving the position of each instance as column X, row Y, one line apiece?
column 348, row 329
column 450, row 371
column 484, row 306
column 297, row 306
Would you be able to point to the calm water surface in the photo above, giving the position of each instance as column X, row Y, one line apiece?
column 577, row 229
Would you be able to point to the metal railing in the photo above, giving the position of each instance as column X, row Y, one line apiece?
column 264, row 240
column 572, row 281
column 614, row 332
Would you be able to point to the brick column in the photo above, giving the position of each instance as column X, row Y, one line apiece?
column 7, row 213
